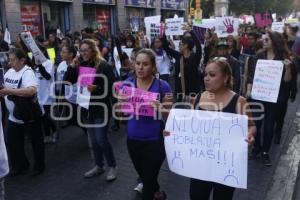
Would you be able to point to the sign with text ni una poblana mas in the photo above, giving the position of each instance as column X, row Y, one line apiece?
column 208, row 146
column 137, row 101
column 267, row 79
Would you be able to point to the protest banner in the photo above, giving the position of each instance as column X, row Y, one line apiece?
column 205, row 23
column 83, row 97
column 150, row 21
column 263, row 20
column 86, row 76
column 156, row 30
column 277, row 27
column 227, row 26
column 32, row 46
column 174, row 26
column 128, row 52
column 267, row 79
column 208, row 146
column 137, row 101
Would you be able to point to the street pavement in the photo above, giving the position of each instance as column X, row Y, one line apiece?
column 70, row 158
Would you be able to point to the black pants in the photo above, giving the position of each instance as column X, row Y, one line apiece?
column 280, row 112
column 15, row 138
column 147, row 158
column 200, row 190
column 48, row 123
column 266, row 117
column 164, row 77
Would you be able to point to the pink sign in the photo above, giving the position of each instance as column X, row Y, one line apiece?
column 137, row 101
column 263, row 20
column 86, row 76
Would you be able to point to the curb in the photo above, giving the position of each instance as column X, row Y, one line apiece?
column 285, row 176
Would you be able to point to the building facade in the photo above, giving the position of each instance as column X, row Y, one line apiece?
column 108, row 16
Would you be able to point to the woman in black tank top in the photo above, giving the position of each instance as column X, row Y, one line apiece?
column 219, row 97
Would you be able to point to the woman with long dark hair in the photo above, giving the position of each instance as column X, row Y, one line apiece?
column 275, row 48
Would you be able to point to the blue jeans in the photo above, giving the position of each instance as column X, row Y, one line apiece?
column 100, row 143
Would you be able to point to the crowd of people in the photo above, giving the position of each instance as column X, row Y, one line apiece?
column 189, row 74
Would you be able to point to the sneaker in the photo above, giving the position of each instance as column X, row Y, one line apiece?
column 47, row 140
column 139, row 188
column 111, row 174
column 95, row 171
column 266, row 159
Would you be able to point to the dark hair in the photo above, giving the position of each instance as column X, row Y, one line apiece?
column 253, row 34
column 225, row 70
column 153, row 41
column 132, row 39
column 137, row 49
column 71, row 49
column 151, row 54
column 280, row 47
column 19, row 53
column 294, row 29
column 68, row 40
column 189, row 41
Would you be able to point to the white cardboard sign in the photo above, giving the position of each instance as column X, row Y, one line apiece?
column 278, row 27
column 267, row 79
column 227, row 26
column 151, row 20
column 208, row 146
column 174, row 26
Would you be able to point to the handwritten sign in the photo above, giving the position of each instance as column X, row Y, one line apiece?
column 86, row 76
column 278, row 27
column 148, row 21
column 267, row 79
column 227, row 26
column 137, row 101
column 156, row 30
column 174, row 26
column 32, row 46
column 83, row 97
column 208, row 146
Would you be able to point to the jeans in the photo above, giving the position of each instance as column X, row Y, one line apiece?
column 147, row 158
column 100, row 144
column 48, row 124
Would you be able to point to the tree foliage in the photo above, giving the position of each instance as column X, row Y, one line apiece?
column 280, row 7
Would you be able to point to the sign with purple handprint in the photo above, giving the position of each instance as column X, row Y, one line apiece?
column 227, row 26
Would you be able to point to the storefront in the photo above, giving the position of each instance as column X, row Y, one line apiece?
column 42, row 17
column 56, row 13
column 136, row 10
column 170, row 8
column 100, row 15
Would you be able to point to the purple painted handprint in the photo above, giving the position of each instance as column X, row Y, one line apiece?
column 229, row 25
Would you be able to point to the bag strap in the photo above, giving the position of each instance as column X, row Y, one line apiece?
column 20, row 81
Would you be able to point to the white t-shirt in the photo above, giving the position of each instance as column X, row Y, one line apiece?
column 46, row 87
column 11, row 80
column 163, row 64
column 61, row 70
column 4, row 169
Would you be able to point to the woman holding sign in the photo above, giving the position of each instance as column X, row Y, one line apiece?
column 219, row 97
column 145, row 141
column 96, row 114
column 275, row 49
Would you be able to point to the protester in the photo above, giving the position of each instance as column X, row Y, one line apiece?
column 252, row 38
column 187, row 76
column 232, row 47
column 96, row 115
column 20, row 81
column 145, row 141
column 44, row 72
column 275, row 49
column 218, row 84
column 162, row 59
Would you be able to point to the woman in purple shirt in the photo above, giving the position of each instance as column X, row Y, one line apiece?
column 145, row 141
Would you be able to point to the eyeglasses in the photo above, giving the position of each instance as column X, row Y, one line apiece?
column 84, row 50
